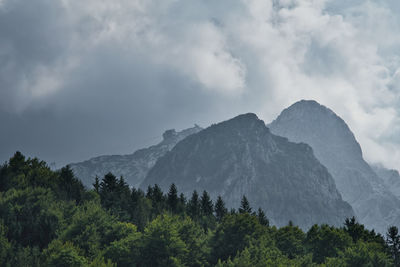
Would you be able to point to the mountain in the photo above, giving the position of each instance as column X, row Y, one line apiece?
column 132, row 167
column 241, row 157
column 390, row 177
column 336, row 147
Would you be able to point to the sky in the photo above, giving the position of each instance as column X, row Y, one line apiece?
column 80, row 79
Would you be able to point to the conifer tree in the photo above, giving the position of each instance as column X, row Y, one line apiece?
column 194, row 205
column 108, row 184
column 393, row 240
column 206, row 204
column 172, row 198
column 96, row 184
column 262, row 218
column 182, row 199
column 220, row 209
column 245, row 206
column 149, row 193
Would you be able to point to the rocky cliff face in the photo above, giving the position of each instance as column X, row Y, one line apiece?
column 241, row 157
column 390, row 177
column 336, row 147
column 133, row 167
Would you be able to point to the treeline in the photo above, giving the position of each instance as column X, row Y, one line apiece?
column 48, row 218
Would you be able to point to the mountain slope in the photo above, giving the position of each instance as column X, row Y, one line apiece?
column 336, row 147
column 241, row 157
column 133, row 167
column 391, row 178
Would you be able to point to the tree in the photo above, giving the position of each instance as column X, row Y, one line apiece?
column 69, row 187
column 206, row 204
column 194, row 206
column 125, row 251
column 172, row 198
column 393, row 240
column 108, row 190
column 245, row 206
column 233, row 234
column 220, row 209
column 326, row 241
column 354, row 229
column 162, row 245
column 5, row 246
column 96, row 184
column 262, row 218
column 289, row 239
column 63, row 255
column 360, row 254
column 156, row 196
column 33, row 216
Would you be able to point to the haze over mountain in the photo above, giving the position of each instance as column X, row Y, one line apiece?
column 336, row 147
column 132, row 167
column 242, row 157
column 390, row 177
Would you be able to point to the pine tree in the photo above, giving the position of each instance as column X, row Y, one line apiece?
column 108, row 190
column 109, row 183
column 149, row 193
column 220, row 209
column 194, row 205
column 182, row 199
column 206, row 204
column 172, row 198
column 96, row 184
column 393, row 240
column 121, row 183
column 262, row 218
column 244, row 206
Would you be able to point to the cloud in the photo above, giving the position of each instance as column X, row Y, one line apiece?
column 109, row 74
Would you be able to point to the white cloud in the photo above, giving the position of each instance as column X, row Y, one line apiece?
column 266, row 54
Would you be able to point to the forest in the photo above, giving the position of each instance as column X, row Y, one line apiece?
column 48, row 218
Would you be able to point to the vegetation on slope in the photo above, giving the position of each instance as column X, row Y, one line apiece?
column 48, row 218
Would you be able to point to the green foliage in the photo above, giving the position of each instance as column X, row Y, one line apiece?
column 32, row 215
column 220, row 209
column 326, row 241
column 125, row 251
column 162, row 245
column 360, row 254
column 63, row 255
column 49, row 219
column 290, row 240
column 194, row 206
column 393, row 240
column 5, row 246
column 262, row 218
column 234, row 234
column 172, row 199
column 244, row 205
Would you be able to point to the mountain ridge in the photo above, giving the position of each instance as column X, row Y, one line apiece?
column 240, row 157
column 337, row 148
column 133, row 167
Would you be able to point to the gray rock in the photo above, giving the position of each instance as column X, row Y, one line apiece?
column 241, row 157
column 390, row 177
column 132, row 167
column 336, row 147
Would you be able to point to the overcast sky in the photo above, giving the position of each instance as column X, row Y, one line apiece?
column 84, row 78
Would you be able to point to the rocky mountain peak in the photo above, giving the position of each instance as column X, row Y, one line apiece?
column 336, row 147
column 310, row 122
column 169, row 135
column 240, row 157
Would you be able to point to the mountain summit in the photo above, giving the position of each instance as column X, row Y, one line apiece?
column 336, row 147
column 241, row 157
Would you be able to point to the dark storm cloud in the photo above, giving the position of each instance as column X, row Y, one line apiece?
column 83, row 78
